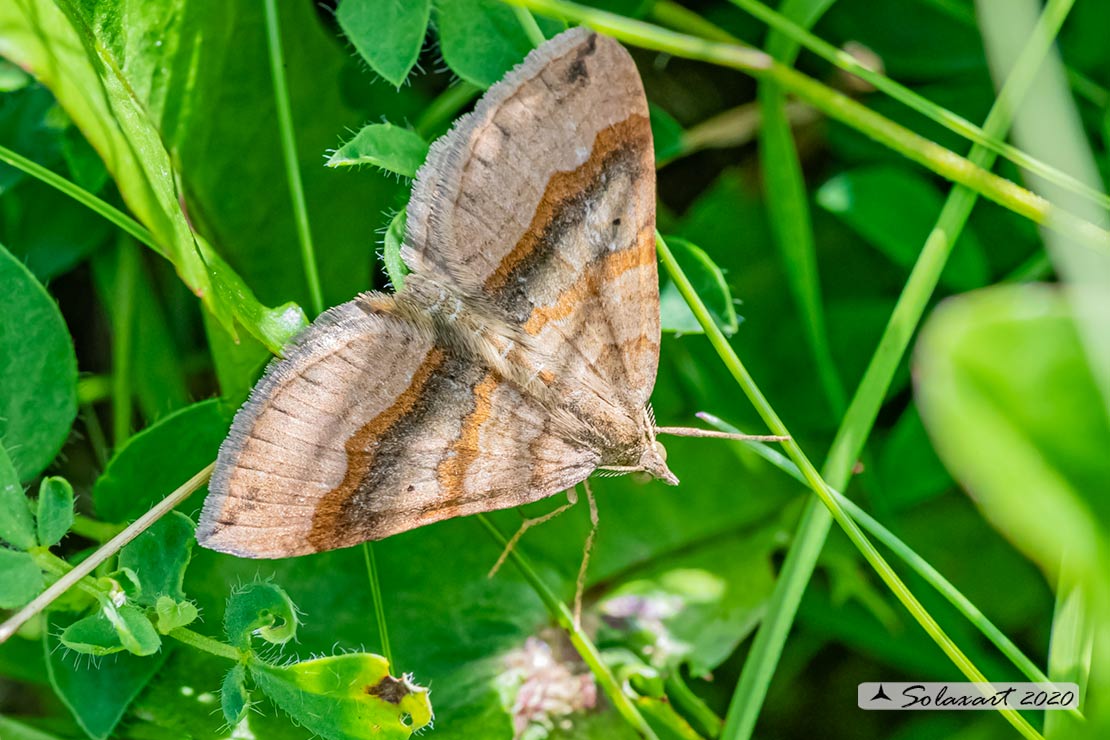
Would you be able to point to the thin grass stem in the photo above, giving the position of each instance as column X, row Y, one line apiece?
column 528, row 23
column 127, row 273
column 836, row 105
column 856, row 425
column 82, row 196
column 289, row 153
column 818, row 485
column 938, row 114
column 581, row 641
column 379, row 601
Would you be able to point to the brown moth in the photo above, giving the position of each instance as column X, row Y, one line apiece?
column 519, row 356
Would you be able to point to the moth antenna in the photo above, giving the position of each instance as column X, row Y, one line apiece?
column 692, row 432
column 572, row 499
column 580, row 583
column 651, row 414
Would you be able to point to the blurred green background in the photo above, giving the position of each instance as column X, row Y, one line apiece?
column 177, row 97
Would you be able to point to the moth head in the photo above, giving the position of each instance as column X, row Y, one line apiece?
column 653, row 460
column 653, row 455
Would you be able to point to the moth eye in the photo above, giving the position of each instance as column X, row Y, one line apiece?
column 616, row 222
column 659, row 449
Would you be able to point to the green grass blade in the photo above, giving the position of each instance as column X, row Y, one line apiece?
column 907, row 555
column 82, row 196
column 925, row 107
column 289, row 153
column 818, row 485
column 936, row 158
column 788, row 204
column 857, row 423
column 590, row 655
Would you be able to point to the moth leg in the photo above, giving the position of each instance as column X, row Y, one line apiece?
column 572, row 499
column 580, row 584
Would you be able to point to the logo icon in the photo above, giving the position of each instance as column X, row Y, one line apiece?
column 880, row 694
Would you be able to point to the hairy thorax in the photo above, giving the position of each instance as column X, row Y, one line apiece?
column 587, row 411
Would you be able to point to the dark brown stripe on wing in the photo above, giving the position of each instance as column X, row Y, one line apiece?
column 605, row 268
column 363, row 449
column 564, row 206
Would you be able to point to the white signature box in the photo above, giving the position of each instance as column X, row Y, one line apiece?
column 938, row 695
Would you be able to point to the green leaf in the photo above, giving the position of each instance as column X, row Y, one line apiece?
column 481, row 40
column 159, row 459
column 262, row 609
column 666, row 133
column 710, row 284
column 103, row 73
column 345, row 697
column 156, row 371
column 136, row 633
column 395, row 267
column 159, row 556
column 86, row 168
column 392, row 148
column 939, row 47
column 55, row 510
column 92, row 635
column 388, row 35
column 1007, row 391
column 24, row 128
column 253, row 227
column 235, row 700
column 46, row 232
column 111, row 630
column 12, row 78
column 696, row 608
column 38, row 370
column 173, row 614
column 894, row 210
column 59, row 43
column 97, row 695
column 10, row 729
column 183, row 700
column 17, row 526
column 20, row 579
column 1008, row 397
column 908, row 466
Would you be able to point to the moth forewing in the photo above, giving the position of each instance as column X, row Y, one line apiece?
column 518, row 357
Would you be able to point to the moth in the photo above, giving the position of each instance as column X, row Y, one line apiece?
column 517, row 359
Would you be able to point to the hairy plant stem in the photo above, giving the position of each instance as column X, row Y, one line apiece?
column 110, row 548
column 207, row 644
